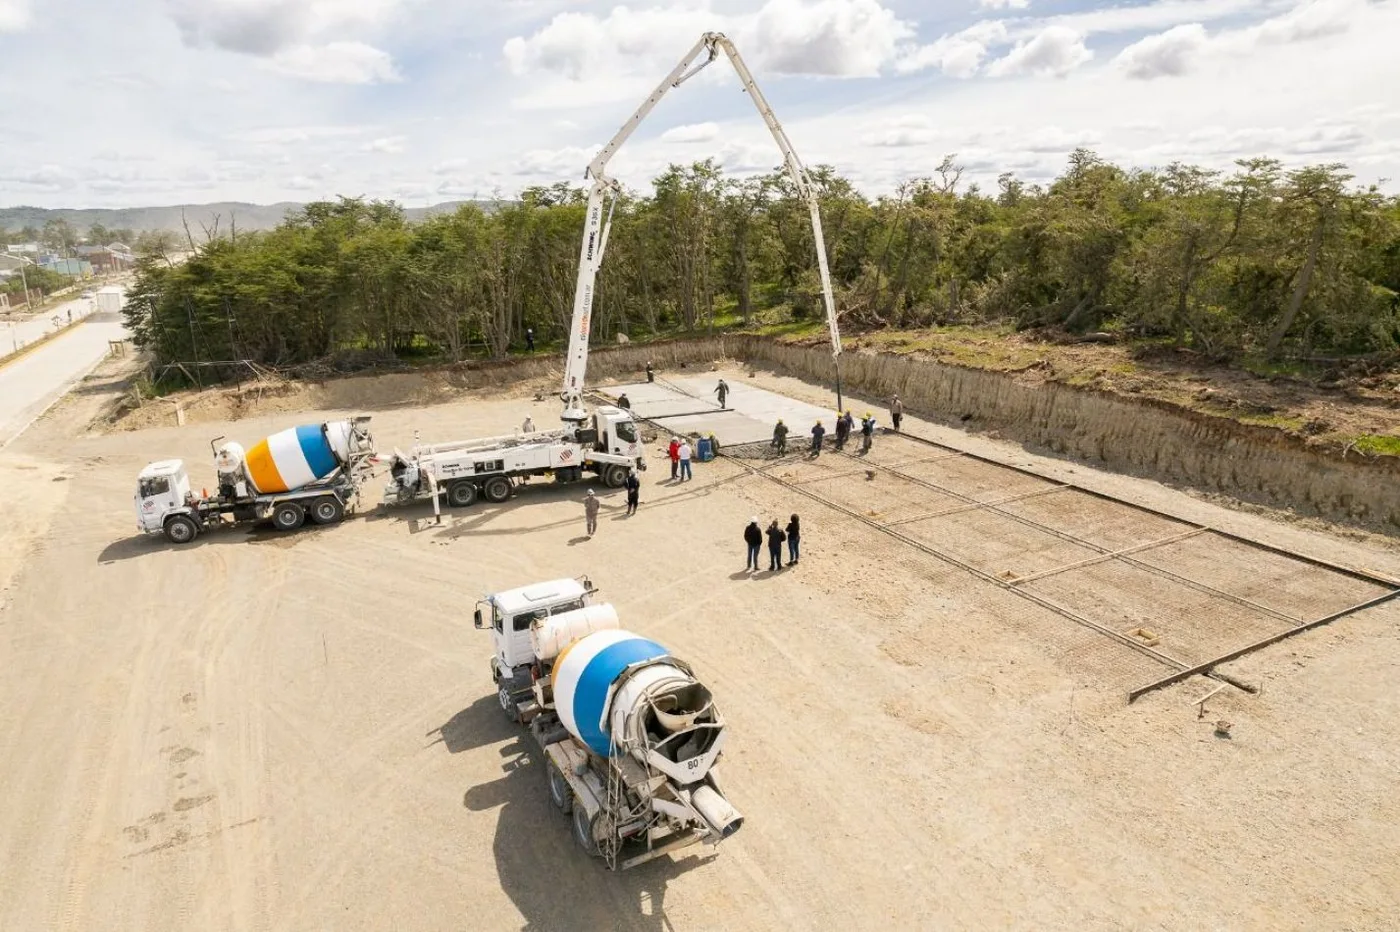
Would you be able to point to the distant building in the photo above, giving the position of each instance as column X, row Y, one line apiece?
column 75, row 267
column 23, row 249
column 107, row 258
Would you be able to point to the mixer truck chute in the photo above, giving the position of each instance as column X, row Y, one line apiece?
column 312, row 472
column 631, row 738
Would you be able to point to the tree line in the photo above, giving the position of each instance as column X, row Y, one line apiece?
column 1258, row 260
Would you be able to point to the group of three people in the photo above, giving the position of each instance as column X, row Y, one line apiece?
column 753, row 539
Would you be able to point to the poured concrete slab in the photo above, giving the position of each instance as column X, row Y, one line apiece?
column 688, row 405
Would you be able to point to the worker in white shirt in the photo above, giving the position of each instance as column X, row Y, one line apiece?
column 685, row 452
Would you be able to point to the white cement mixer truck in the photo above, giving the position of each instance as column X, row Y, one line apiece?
column 309, row 472
column 630, row 737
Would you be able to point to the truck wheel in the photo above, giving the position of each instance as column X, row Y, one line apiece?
column 615, row 476
column 461, row 494
column 497, row 489
column 287, row 516
column 327, row 510
column 583, row 830
column 559, row 790
column 508, row 704
column 181, row 529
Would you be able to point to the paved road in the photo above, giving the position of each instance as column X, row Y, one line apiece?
column 29, row 385
column 16, row 335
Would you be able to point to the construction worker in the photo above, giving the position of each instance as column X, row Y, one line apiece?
column 685, row 453
column 722, row 390
column 780, row 432
column 590, row 512
column 674, row 452
column 651, row 375
column 623, row 402
column 529, row 426
column 896, row 412
column 634, row 491
column 529, row 339
column 867, row 432
column 843, row 429
column 818, row 432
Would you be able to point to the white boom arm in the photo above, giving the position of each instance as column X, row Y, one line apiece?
column 602, row 198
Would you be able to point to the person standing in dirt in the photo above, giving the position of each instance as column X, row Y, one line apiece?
column 651, row 374
column 590, row 512
column 753, row 539
column 867, row 432
column 896, row 412
column 634, row 491
column 818, row 432
column 624, row 402
column 775, row 546
column 685, row 453
column 780, row 432
column 529, row 426
column 529, row 339
column 722, row 390
column 843, row 430
column 794, row 538
column 674, row 452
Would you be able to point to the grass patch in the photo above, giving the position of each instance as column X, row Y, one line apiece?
column 1282, row 368
column 1377, row 445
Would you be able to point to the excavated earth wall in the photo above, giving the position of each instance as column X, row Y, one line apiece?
column 1137, row 436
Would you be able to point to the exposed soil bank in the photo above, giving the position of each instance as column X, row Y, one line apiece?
column 1144, row 437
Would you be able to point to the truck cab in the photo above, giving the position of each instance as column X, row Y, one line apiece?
column 618, row 433
column 162, row 490
column 510, row 616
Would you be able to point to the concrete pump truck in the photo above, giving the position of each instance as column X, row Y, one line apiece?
column 606, row 443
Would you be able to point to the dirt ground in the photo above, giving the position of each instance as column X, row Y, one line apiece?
column 273, row 732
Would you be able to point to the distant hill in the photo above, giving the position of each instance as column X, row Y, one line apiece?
column 247, row 216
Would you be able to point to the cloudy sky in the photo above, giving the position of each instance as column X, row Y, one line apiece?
column 143, row 102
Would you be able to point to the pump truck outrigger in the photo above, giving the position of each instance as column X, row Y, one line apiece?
column 630, row 738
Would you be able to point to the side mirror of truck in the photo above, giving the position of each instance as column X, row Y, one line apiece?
column 477, row 619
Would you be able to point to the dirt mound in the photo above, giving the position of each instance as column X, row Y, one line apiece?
column 512, row 377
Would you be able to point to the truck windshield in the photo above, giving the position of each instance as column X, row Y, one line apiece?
column 626, row 432
column 157, row 485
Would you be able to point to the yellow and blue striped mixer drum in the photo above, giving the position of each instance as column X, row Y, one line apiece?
column 583, row 678
column 298, row 456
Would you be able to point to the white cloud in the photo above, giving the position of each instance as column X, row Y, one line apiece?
column 284, row 135
column 15, row 15
column 958, row 55
column 50, row 177
column 837, row 38
column 1313, row 20
column 1055, row 51
column 898, row 138
column 1182, row 48
column 569, row 161
column 1160, row 14
column 693, row 132
column 263, row 27
column 1169, row 53
column 1004, row 4
column 336, row 63
column 387, row 145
